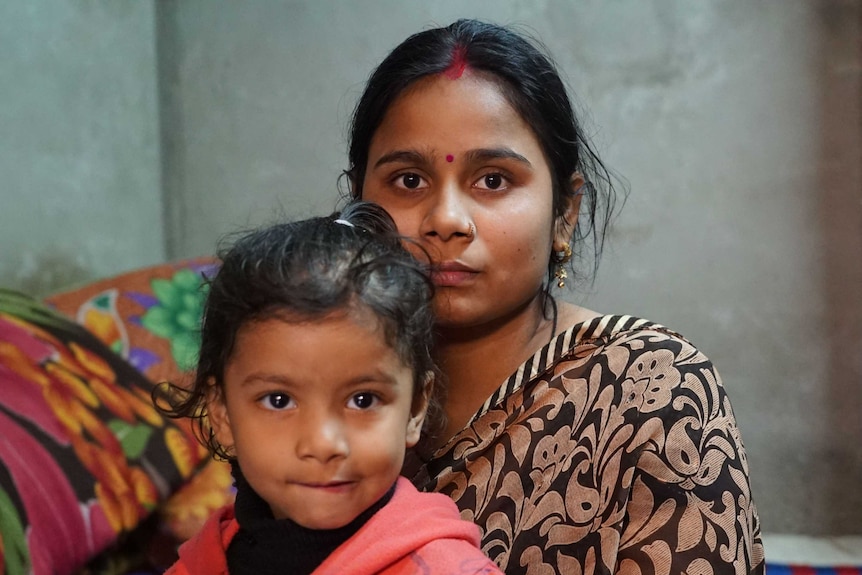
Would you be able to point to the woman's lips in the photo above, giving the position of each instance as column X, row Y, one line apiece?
column 452, row 274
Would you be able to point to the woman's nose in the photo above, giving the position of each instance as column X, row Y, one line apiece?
column 322, row 437
column 448, row 215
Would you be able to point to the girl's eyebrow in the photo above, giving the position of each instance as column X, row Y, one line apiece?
column 262, row 377
column 276, row 378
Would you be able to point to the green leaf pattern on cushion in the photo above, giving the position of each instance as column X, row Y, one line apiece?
column 133, row 438
column 14, row 556
column 177, row 316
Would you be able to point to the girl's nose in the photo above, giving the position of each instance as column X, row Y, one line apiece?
column 448, row 216
column 322, row 438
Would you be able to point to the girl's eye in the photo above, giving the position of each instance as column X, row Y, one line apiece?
column 363, row 400
column 492, row 181
column 276, row 401
column 409, row 181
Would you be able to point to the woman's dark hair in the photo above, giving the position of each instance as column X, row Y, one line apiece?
column 304, row 271
column 528, row 79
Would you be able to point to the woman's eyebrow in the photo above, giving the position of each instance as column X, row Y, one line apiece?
column 477, row 155
column 401, row 156
column 485, row 154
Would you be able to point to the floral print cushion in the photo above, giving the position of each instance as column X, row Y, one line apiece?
column 150, row 317
column 84, row 456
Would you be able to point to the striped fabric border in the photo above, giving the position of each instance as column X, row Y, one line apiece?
column 601, row 326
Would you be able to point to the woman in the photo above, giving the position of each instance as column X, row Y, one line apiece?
column 578, row 442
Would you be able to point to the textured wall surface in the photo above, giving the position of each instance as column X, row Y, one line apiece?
column 81, row 195
column 738, row 126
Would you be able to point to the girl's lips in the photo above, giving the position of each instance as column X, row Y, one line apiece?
column 452, row 274
column 331, row 487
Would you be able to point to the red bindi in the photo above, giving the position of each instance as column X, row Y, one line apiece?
column 450, row 158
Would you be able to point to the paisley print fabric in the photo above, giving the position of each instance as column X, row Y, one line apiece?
column 612, row 450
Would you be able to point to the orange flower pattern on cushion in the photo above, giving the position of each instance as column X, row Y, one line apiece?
column 210, row 488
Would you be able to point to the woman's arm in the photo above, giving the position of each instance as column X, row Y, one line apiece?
column 690, row 508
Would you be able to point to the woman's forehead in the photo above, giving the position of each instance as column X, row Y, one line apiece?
column 469, row 112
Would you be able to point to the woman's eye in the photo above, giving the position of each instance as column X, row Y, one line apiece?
column 276, row 401
column 363, row 401
column 409, row 181
column 493, row 181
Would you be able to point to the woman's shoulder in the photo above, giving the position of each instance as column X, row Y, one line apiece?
column 618, row 345
column 638, row 365
column 625, row 338
column 616, row 329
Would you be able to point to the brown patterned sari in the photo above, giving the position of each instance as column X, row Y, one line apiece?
column 612, row 450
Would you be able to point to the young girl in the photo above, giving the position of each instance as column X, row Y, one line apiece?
column 314, row 376
column 578, row 442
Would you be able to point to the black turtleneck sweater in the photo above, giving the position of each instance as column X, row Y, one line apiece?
column 265, row 545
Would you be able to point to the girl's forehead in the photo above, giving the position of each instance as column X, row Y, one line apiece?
column 354, row 310
column 281, row 337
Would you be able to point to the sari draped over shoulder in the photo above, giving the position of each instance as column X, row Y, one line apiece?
column 613, row 449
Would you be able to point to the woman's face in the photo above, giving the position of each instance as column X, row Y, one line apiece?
column 463, row 173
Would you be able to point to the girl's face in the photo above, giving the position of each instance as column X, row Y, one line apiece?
column 462, row 172
column 318, row 415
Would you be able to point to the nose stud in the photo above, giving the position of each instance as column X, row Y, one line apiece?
column 472, row 231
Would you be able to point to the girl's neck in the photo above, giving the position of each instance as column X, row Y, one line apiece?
column 477, row 360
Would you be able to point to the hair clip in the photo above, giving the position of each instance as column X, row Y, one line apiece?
column 344, row 223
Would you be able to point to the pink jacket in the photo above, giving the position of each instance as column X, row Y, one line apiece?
column 414, row 533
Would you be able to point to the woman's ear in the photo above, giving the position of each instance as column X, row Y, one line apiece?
column 419, row 409
column 564, row 227
column 217, row 415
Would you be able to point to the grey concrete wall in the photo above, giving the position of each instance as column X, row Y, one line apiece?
column 737, row 125
column 81, row 194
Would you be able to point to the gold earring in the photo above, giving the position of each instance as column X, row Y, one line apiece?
column 565, row 253
column 560, row 258
column 561, row 275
